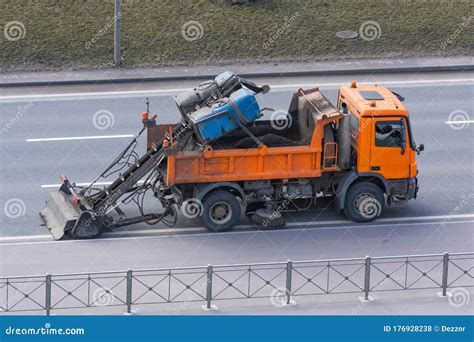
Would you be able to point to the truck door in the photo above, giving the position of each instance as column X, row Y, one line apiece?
column 390, row 151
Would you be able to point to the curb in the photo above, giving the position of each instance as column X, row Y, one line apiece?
column 466, row 67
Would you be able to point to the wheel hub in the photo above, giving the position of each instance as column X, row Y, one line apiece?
column 221, row 213
column 367, row 205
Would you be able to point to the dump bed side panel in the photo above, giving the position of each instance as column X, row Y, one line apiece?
column 247, row 164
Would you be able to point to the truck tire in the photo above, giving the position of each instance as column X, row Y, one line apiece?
column 364, row 202
column 221, row 211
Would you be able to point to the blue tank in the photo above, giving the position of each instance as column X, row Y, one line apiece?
column 211, row 123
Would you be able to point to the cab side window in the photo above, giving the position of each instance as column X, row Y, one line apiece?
column 388, row 134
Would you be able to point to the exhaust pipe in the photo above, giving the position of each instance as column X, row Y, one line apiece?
column 344, row 139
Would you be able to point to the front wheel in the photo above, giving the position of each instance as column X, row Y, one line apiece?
column 221, row 211
column 364, row 202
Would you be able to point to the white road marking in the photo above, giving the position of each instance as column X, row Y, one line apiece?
column 26, row 238
column 359, row 226
column 459, row 122
column 338, row 84
column 83, row 184
column 78, row 184
column 40, row 239
column 177, row 90
column 82, row 138
column 296, row 224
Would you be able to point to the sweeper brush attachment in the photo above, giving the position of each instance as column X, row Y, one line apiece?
column 83, row 212
column 267, row 219
column 209, row 111
column 63, row 215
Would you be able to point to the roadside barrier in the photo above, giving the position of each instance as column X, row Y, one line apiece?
column 279, row 281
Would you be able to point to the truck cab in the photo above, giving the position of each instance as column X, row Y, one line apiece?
column 382, row 144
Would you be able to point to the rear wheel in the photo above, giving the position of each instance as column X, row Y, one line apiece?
column 221, row 211
column 364, row 202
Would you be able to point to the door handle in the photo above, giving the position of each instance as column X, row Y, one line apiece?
column 375, row 168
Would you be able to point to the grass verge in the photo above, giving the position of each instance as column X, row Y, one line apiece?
column 57, row 34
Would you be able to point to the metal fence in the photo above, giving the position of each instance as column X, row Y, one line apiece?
column 280, row 281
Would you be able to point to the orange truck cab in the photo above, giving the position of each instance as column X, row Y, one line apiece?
column 382, row 143
column 360, row 154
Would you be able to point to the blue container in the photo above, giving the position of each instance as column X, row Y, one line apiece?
column 211, row 123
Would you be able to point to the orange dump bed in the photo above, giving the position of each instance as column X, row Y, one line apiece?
column 263, row 163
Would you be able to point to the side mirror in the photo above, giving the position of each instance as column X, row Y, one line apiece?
column 420, row 148
column 403, row 136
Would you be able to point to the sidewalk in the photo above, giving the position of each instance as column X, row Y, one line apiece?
column 335, row 67
column 403, row 302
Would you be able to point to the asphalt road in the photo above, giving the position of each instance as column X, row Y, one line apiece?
column 304, row 242
column 32, row 162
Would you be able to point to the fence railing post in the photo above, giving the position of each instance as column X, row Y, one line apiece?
column 128, row 298
column 47, row 302
column 289, row 271
column 117, row 32
column 209, row 287
column 444, row 282
column 367, row 278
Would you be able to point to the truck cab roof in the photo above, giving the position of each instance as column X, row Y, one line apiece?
column 373, row 100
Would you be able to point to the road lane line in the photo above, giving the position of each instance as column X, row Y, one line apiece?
column 156, row 232
column 78, row 184
column 459, row 122
column 176, row 90
column 26, row 238
column 359, row 226
column 90, row 137
column 226, row 233
column 82, row 184
column 338, row 84
column 305, row 224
